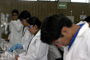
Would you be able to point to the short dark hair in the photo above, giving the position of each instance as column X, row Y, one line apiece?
column 34, row 21
column 24, row 15
column 87, row 19
column 15, row 11
column 51, row 27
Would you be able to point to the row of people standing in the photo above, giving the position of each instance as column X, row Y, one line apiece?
column 62, row 32
column 29, row 40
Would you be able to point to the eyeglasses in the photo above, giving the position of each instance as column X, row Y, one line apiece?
column 30, row 26
column 22, row 20
column 14, row 15
column 58, row 42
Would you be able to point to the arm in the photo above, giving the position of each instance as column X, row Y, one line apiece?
column 26, row 39
column 39, row 50
column 17, row 24
column 10, row 28
column 88, row 46
column 54, row 52
column 16, row 57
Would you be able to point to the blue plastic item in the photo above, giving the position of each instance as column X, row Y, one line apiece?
column 16, row 46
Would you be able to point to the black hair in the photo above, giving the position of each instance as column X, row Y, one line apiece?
column 34, row 21
column 15, row 11
column 51, row 27
column 24, row 15
column 87, row 19
column 62, row 15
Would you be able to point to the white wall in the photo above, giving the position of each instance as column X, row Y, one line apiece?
column 71, row 18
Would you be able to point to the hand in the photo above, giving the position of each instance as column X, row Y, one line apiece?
column 7, row 40
column 12, row 48
column 16, row 57
column 0, row 49
column 19, row 46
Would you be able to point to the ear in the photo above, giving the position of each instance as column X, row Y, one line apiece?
column 89, row 24
column 64, row 30
column 27, row 18
column 35, row 26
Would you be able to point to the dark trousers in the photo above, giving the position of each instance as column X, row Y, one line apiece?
column 59, row 59
column 61, row 54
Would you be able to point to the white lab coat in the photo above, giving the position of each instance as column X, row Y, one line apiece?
column 80, row 49
column 16, row 29
column 37, row 50
column 53, row 53
column 26, row 38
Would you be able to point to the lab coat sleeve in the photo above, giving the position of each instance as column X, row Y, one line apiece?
column 40, row 50
column 17, row 25
column 10, row 27
column 26, row 39
column 88, row 46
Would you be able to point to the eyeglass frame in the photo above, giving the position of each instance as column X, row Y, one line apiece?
column 14, row 15
column 59, row 40
column 30, row 26
column 23, row 20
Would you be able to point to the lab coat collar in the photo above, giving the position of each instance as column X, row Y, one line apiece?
column 16, row 20
column 84, row 27
column 38, row 33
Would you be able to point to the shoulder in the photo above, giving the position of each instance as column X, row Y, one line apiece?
column 18, row 20
column 87, row 32
column 86, row 35
column 11, row 21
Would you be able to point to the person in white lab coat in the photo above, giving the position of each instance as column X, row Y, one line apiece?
column 24, row 16
column 60, row 31
column 36, row 49
column 16, row 29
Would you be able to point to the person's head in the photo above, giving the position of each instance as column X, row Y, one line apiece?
column 62, row 15
column 87, row 19
column 24, row 16
column 55, row 29
column 15, row 14
column 34, row 25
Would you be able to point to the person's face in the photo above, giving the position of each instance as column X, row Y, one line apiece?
column 14, row 16
column 89, row 24
column 33, row 29
column 23, row 21
column 65, row 40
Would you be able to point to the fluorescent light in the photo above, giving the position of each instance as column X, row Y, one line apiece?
column 83, row 1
